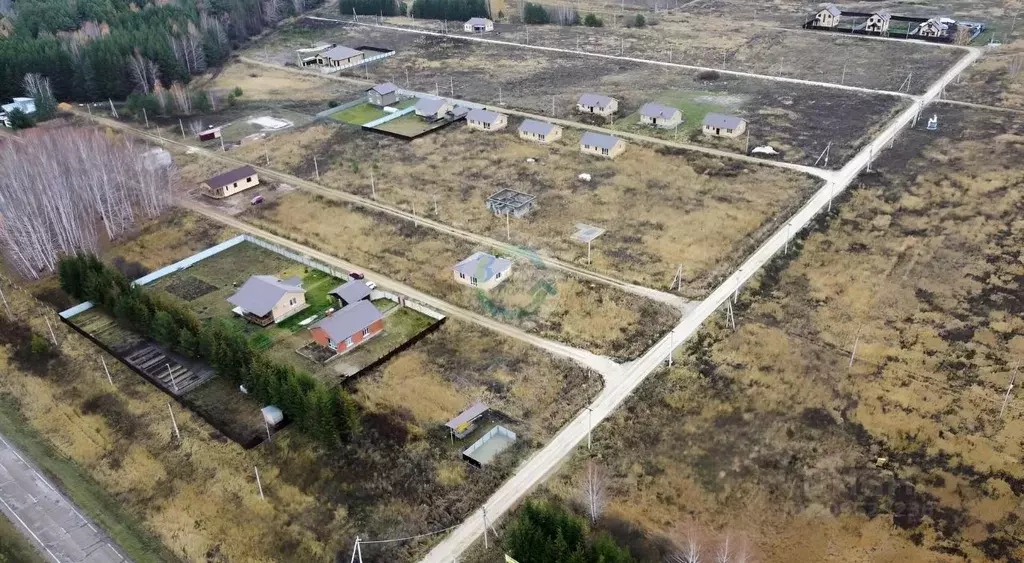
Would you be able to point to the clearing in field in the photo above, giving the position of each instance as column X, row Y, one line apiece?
column 860, row 411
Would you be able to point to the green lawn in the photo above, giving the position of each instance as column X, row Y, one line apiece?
column 316, row 284
column 365, row 113
column 93, row 499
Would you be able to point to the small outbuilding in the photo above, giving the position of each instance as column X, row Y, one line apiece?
column 878, row 22
column 382, row 95
column 608, row 146
column 338, row 56
column 266, row 300
column 722, row 125
column 272, row 415
column 510, row 202
column 348, row 327
column 210, row 134
column 482, row 270
column 478, row 25
column 659, row 115
column 462, row 425
column 351, row 292
column 231, row 182
column 486, row 120
column 432, row 109
column 828, row 17
column 539, row 131
column 597, row 104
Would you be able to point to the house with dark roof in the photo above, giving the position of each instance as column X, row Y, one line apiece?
column 482, row 270
column 828, row 17
column 266, row 300
column 339, row 56
column 230, row 182
column 381, row 95
column 350, row 292
column 432, row 109
column 878, row 22
column 539, row 131
column 597, row 104
column 348, row 327
column 608, row 146
column 660, row 115
column 478, row 25
column 722, row 125
column 486, row 120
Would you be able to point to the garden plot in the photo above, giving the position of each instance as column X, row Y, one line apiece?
column 660, row 207
column 859, row 411
column 226, row 271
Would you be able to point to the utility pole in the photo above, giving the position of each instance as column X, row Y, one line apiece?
column 52, row 335
column 671, row 345
column 435, row 205
column 499, row 95
column 406, row 77
column 146, row 117
column 552, row 106
column 267, row 425
column 590, row 426
column 373, row 188
column 110, row 379
column 316, row 167
column 508, row 228
column 6, row 306
column 451, row 82
column 266, row 152
column 842, row 80
column 853, row 353
column 222, row 148
column 747, row 149
column 730, row 315
column 486, row 546
column 174, row 382
column 173, row 422
column 356, row 550
column 1006, row 398
column 182, row 125
column 258, row 483
column 113, row 110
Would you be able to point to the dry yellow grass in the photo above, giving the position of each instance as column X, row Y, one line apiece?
column 266, row 83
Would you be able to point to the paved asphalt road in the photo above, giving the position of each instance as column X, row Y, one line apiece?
column 46, row 517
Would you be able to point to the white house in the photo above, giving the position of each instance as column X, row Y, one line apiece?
column 432, row 109
column 486, row 120
column 539, row 131
column 878, row 22
column 231, row 182
column 597, row 104
column 660, row 115
column 934, row 27
column 482, row 270
column 827, row 17
column 478, row 25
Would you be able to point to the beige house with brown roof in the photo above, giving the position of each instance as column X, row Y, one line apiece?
column 230, row 182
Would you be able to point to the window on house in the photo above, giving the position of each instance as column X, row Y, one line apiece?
column 604, row 151
column 473, row 281
column 728, row 130
column 498, row 275
column 348, row 341
column 235, row 185
column 461, row 275
column 366, row 331
column 249, row 179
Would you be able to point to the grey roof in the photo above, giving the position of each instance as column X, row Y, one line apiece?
column 478, row 21
column 722, row 121
column 883, row 15
column 429, row 106
column 483, row 115
column 259, row 294
column 352, row 291
column 483, row 266
column 475, row 410
column 595, row 100
column 230, row 177
column 833, row 10
column 658, row 111
column 349, row 320
column 460, row 111
column 385, row 88
column 537, row 127
column 599, row 140
column 341, row 52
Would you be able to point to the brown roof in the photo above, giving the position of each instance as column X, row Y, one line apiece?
column 230, row 176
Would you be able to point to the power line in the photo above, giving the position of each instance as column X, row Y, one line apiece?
column 434, row 533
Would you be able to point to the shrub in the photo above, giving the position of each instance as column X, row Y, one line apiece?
column 237, row 92
column 21, row 120
column 639, row 20
column 333, row 104
column 535, row 14
column 592, row 21
column 708, row 75
column 39, row 345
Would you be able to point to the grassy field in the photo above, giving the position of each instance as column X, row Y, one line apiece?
column 14, row 546
column 771, row 434
column 409, row 124
column 990, row 80
column 709, row 213
column 198, row 496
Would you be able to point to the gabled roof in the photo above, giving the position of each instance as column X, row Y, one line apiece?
column 352, row 291
column 429, row 106
column 599, row 140
column 658, row 111
column 475, row 410
column 230, row 177
column 478, row 21
column 259, row 294
column 349, row 320
column 882, row 15
column 341, row 52
column 832, row 10
column 483, row 116
column 722, row 121
column 384, row 89
column 482, row 266
column 542, row 128
column 595, row 100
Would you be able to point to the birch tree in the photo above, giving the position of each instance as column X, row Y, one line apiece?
column 689, row 545
column 594, row 492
